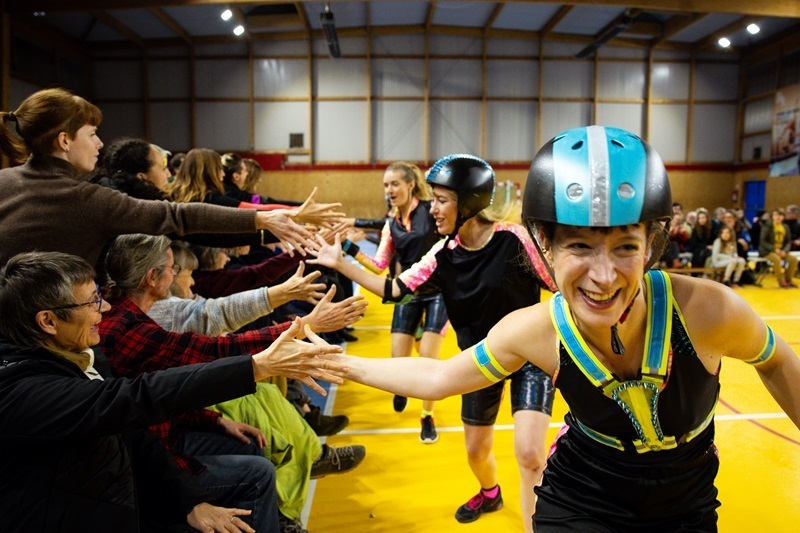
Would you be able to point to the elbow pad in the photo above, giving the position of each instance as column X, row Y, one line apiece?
column 405, row 293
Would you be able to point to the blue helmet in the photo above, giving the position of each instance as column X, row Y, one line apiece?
column 470, row 177
column 599, row 177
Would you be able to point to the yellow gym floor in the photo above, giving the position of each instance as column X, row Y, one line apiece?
column 403, row 485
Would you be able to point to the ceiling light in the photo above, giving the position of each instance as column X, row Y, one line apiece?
column 238, row 30
column 753, row 28
column 227, row 14
column 724, row 42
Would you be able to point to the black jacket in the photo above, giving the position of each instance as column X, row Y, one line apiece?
column 76, row 455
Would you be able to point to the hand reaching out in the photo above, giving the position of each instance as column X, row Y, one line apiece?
column 318, row 214
column 304, row 361
column 326, row 254
column 330, row 316
column 297, row 287
column 290, row 234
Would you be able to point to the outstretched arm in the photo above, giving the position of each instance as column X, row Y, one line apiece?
column 781, row 377
column 499, row 355
column 330, row 255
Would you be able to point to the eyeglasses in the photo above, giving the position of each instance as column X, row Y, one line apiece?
column 176, row 268
column 98, row 301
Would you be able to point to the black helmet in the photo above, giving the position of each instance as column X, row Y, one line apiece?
column 597, row 176
column 470, row 177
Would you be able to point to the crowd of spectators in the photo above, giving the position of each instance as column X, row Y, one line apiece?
column 723, row 246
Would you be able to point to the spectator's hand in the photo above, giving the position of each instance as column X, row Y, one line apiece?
column 326, row 254
column 355, row 235
column 212, row 519
column 329, row 316
column 297, row 287
column 240, row 431
column 290, row 234
column 318, row 214
column 329, row 234
column 303, row 361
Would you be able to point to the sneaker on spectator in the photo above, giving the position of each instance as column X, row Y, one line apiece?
column 337, row 460
column 428, row 433
column 290, row 526
column 324, row 425
column 400, row 403
column 477, row 505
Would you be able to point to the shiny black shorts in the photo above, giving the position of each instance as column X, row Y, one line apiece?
column 408, row 317
column 531, row 390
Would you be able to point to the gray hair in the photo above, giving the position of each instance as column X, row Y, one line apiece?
column 131, row 257
column 184, row 255
column 36, row 281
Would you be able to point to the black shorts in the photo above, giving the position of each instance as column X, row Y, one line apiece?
column 589, row 488
column 408, row 317
column 531, row 390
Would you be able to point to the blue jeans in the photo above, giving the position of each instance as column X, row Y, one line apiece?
column 236, row 475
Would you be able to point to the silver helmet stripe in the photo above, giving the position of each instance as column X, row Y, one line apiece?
column 599, row 175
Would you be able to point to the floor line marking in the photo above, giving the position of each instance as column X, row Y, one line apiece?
column 553, row 425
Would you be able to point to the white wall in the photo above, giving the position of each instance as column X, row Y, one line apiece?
column 376, row 110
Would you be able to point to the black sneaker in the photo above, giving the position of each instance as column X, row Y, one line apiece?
column 290, row 526
column 400, row 403
column 477, row 505
column 324, row 425
column 428, row 433
column 337, row 460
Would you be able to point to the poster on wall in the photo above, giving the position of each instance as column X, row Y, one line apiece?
column 785, row 157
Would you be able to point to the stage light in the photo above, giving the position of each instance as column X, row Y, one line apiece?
column 238, row 30
column 724, row 42
column 753, row 29
column 227, row 14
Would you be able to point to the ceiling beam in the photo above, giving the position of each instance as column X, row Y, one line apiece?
column 733, row 27
column 498, row 8
column 118, row 27
column 677, row 24
column 429, row 16
column 288, row 20
column 301, row 12
column 171, row 23
column 554, row 20
column 771, row 8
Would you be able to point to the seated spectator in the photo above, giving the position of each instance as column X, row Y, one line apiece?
column 252, row 182
column 267, row 409
column 142, row 269
column 762, row 217
column 724, row 255
column 702, row 239
column 59, row 131
column 742, row 237
column 794, row 225
column 175, row 163
column 775, row 245
column 83, row 459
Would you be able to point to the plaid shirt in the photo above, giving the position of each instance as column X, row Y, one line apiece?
column 135, row 344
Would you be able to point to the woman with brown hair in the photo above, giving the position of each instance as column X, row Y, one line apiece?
column 45, row 206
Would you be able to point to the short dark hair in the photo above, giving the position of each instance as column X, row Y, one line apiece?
column 35, row 281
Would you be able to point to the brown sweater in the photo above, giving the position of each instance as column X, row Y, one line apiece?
column 43, row 206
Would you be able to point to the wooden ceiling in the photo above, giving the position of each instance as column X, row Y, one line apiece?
column 667, row 24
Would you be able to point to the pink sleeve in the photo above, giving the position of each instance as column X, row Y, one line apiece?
column 422, row 270
column 384, row 254
column 538, row 263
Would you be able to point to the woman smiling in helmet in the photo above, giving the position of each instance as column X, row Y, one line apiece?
column 483, row 275
column 638, row 353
